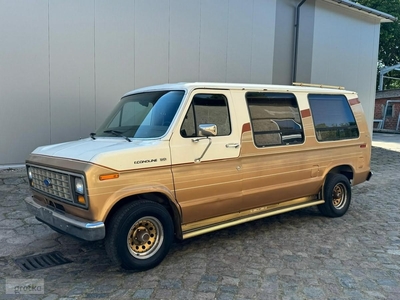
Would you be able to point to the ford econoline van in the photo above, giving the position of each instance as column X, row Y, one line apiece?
column 179, row 160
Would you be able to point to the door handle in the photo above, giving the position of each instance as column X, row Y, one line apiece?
column 232, row 145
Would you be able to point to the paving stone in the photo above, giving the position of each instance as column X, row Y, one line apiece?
column 171, row 284
column 143, row 294
column 13, row 180
column 298, row 255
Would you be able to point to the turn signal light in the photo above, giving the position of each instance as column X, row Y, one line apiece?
column 108, row 176
column 81, row 199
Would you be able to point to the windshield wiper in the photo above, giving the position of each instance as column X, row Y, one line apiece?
column 92, row 134
column 117, row 133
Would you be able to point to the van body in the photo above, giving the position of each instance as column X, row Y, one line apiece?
column 179, row 160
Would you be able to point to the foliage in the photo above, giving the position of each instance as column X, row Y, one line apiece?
column 389, row 51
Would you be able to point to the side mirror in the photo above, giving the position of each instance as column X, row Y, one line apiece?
column 208, row 130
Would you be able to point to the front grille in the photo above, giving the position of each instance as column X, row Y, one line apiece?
column 52, row 182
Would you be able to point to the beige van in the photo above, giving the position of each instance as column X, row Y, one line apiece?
column 179, row 160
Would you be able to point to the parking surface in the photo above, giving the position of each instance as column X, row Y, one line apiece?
column 297, row 255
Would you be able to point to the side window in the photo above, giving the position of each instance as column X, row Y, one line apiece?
column 207, row 109
column 333, row 118
column 275, row 119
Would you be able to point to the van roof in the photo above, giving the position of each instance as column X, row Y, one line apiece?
column 189, row 86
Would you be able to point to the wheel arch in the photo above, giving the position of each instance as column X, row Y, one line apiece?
column 346, row 170
column 156, row 197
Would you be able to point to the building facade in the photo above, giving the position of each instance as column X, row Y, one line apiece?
column 387, row 110
column 65, row 64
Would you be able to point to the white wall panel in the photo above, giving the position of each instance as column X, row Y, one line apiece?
column 114, row 55
column 305, row 42
column 71, row 68
column 184, row 55
column 263, row 36
column 283, row 43
column 64, row 64
column 239, row 51
column 214, row 40
column 345, row 52
column 24, row 79
column 151, row 42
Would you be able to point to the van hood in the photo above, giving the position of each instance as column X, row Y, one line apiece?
column 115, row 153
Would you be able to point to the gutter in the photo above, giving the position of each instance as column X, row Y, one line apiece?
column 385, row 18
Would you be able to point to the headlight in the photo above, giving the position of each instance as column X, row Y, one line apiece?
column 79, row 186
column 30, row 175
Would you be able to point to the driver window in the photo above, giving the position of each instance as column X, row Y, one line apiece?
column 207, row 109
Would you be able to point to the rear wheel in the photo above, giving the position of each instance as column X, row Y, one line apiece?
column 139, row 235
column 337, row 196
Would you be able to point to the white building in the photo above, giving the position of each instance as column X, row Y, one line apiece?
column 64, row 64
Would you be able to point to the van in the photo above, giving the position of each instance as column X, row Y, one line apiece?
column 178, row 160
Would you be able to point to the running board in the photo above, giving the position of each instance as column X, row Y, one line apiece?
column 217, row 223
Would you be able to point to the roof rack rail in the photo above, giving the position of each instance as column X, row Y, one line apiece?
column 319, row 85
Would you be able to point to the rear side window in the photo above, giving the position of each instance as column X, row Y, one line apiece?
column 333, row 118
column 275, row 119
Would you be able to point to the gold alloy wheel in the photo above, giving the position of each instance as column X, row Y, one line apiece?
column 339, row 195
column 145, row 237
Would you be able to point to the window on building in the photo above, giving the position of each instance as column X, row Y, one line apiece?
column 275, row 119
column 332, row 117
column 207, row 109
column 389, row 111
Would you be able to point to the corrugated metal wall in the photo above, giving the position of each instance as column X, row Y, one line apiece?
column 64, row 64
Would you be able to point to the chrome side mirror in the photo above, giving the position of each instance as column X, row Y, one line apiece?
column 208, row 130
column 205, row 131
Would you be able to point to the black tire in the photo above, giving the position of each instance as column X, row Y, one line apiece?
column 139, row 235
column 337, row 196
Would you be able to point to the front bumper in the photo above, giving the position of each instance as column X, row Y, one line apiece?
column 72, row 225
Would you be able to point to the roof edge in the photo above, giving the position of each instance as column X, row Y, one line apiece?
column 384, row 17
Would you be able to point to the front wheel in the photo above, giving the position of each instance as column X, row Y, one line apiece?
column 139, row 235
column 337, row 196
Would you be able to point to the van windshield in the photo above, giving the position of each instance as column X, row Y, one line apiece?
column 144, row 115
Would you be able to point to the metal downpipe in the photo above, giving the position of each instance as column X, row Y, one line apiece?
column 296, row 39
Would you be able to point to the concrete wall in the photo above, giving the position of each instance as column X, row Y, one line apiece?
column 64, row 64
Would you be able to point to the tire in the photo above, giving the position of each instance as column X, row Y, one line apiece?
column 139, row 235
column 337, row 196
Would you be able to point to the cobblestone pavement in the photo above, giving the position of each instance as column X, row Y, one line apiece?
column 297, row 255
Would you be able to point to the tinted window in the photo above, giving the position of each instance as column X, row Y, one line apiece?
column 275, row 119
column 333, row 118
column 207, row 109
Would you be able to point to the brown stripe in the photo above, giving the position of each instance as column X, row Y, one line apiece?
column 354, row 101
column 246, row 127
column 305, row 113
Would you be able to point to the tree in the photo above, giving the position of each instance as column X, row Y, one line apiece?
column 389, row 41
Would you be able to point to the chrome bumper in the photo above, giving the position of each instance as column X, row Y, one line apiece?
column 75, row 226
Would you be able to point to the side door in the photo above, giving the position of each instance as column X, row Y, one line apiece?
column 279, row 165
column 206, row 170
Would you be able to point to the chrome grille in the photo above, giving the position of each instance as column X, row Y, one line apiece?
column 51, row 182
